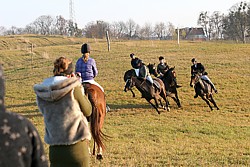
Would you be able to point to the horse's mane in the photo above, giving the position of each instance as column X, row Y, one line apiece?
column 169, row 71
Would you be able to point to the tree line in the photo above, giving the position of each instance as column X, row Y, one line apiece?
column 232, row 26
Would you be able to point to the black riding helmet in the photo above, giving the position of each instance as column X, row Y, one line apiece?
column 161, row 58
column 193, row 60
column 85, row 48
column 132, row 55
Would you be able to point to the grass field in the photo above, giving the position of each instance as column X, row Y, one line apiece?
column 190, row 136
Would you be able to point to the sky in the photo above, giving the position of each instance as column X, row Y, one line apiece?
column 181, row 13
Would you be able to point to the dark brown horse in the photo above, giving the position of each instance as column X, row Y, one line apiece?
column 169, row 80
column 97, row 98
column 203, row 89
column 145, row 88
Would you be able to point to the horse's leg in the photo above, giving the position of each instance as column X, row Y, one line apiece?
column 132, row 92
column 163, row 95
column 213, row 101
column 162, row 104
column 205, row 99
column 177, row 100
column 153, row 106
column 99, row 153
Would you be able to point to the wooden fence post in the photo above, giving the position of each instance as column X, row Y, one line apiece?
column 108, row 41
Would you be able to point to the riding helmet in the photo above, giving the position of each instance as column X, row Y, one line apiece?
column 161, row 58
column 132, row 55
column 85, row 48
column 193, row 60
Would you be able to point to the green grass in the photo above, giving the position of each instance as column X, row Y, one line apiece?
column 190, row 136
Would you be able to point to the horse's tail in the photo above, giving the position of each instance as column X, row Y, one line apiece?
column 95, row 123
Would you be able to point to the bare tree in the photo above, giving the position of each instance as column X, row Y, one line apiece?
column 159, row 29
column 170, row 29
column 236, row 25
column 131, row 28
column 96, row 30
column 61, row 25
column 44, row 24
column 146, row 31
column 204, row 21
column 3, row 30
column 217, row 20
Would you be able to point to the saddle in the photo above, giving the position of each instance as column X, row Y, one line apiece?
column 204, row 85
column 156, row 84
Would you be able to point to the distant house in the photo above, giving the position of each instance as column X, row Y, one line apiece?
column 196, row 34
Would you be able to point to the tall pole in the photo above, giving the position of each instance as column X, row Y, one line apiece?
column 108, row 41
column 71, row 10
column 178, row 36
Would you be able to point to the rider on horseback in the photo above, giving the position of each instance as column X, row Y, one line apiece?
column 142, row 71
column 162, row 68
column 86, row 68
column 199, row 68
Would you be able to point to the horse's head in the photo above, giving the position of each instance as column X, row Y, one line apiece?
column 128, row 74
column 195, row 79
column 152, row 69
column 129, row 84
column 170, row 77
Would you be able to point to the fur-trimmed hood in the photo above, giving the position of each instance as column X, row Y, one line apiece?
column 54, row 88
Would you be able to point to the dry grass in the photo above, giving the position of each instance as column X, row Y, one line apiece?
column 191, row 136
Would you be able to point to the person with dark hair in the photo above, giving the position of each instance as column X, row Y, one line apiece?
column 86, row 68
column 65, row 109
column 135, row 62
column 142, row 71
column 20, row 142
column 199, row 68
column 162, row 67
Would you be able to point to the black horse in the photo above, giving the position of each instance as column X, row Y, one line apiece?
column 169, row 80
column 145, row 88
column 203, row 89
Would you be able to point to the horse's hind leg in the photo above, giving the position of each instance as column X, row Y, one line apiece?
column 99, row 153
column 163, row 95
column 205, row 99
column 176, row 99
column 213, row 101
column 153, row 106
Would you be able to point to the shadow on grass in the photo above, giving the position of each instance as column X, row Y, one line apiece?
column 129, row 106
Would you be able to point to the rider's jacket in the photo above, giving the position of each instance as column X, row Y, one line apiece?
column 197, row 68
column 162, row 68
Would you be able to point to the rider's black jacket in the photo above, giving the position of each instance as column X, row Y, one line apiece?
column 197, row 68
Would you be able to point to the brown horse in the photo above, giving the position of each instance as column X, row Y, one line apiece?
column 97, row 98
column 203, row 89
column 145, row 88
column 169, row 80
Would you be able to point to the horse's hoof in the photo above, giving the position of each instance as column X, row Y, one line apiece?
column 99, row 156
column 218, row 109
column 168, row 109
